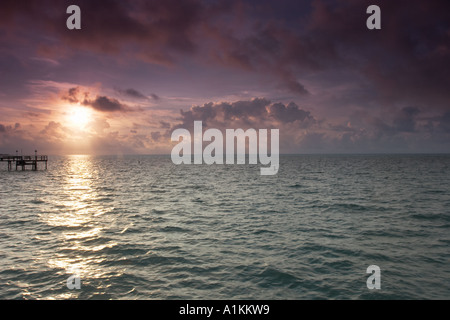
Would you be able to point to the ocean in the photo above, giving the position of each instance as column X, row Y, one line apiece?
column 140, row 227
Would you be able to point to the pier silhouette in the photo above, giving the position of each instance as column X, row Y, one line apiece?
column 24, row 161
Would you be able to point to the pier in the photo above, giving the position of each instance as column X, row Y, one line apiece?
column 24, row 161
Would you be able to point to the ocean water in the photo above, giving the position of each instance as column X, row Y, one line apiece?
column 140, row 227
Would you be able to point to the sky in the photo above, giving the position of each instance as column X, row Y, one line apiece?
column 137, row 70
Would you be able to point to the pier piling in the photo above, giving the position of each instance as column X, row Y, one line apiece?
column 24, row 161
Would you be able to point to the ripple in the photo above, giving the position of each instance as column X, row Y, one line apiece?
column 160, row 231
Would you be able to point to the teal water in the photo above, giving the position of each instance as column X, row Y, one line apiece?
column 140, row 227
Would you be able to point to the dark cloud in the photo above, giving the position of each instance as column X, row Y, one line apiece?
column 226, row 112
column 444, row 122
column 9, row 128
column 403, row 121
column 407, row 61
column 73, row 95
column 406, row 120
column 133, row 94
column 408, row 57
column 159, row 31
column 258, row 113
column 164, row 125
column 312, row 49
column 294, row 86
column 255, row 113
column 105, row 104
column 161, row 28
column 156, row 136
column 154, row 96
column 100, row 103
column 289, row 113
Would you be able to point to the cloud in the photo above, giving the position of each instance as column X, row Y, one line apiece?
column 9, row 128
column 408, row 57
column 156, row 135
column 157, row 32
column 105, row 104
column 289, row 113
column 72, row 95
column 98, row 125
column 55, row 131
column 154, row 96
column 258, row 113
column 164, row 124
column 224, row 113
column 99, row 103
column 132, row 93
column 405, row 121
column 161, row 28
column 317, row 53
column 443, row 122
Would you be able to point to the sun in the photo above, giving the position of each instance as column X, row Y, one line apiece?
column 79, row 116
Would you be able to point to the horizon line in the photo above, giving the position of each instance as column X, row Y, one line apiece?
column 224, row 154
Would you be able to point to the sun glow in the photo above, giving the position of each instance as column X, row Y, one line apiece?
column 79, row 116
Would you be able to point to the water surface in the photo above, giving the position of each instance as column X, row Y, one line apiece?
column 140, row 227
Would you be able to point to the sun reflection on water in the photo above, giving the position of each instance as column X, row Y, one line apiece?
column 79, row 221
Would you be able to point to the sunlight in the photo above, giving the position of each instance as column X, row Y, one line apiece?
column 79, row 116
column 78, row 219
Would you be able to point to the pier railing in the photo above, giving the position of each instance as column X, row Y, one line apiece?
column 24, row 161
